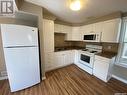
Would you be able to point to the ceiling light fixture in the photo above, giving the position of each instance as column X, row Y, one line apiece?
column 75, row 5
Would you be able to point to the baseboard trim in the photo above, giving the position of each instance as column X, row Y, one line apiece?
column 48, row 70
column 3, row 78
column 43, row 78
column 120, row 79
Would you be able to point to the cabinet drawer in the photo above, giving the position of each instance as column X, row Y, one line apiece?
column 104, row 59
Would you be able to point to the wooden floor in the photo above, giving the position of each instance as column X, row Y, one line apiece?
column 69, row 80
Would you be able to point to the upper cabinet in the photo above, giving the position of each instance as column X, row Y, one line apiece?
column 58, row 28
column 92, row 28
column 48, row 30
column 86, row 29
column 75, row 34
column 97, row 27
column 111, row 30
column 72, row 33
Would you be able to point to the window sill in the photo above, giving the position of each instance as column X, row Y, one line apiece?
column 121, row 65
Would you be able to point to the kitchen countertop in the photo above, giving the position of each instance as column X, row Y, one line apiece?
column 107, row 54
column 65, row 48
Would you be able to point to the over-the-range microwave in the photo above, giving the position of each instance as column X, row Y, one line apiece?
column 92, row 37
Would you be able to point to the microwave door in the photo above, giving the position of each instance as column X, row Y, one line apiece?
column 89, row 37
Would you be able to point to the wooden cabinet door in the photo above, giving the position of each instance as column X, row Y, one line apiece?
column 48, row 32
column 97, row 27
column 76, row 34
column 68, row 30
column 57, row 28
column 67, row 57
column 49, row 61
column 87, row 29
column 58, row 59
column 100, row 69
column 111, row 31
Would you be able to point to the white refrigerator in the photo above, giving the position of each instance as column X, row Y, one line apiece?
column 21, row 52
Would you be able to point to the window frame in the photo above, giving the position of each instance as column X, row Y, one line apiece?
column 121, row 44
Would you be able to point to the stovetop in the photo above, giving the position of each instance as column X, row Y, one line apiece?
column 92, row 49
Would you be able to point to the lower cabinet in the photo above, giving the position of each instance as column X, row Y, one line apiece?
column 49, row 60
column 54, row 60
column 103, row 68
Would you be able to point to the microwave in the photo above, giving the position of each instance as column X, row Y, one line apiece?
column 95, row 37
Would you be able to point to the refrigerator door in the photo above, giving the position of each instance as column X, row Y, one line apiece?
column 22, row 67
column 19, row 35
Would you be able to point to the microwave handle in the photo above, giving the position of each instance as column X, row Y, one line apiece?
column 99, row 36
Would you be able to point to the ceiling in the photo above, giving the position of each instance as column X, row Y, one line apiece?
column 90, row 8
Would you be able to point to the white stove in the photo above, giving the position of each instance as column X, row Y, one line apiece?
column 86, row 58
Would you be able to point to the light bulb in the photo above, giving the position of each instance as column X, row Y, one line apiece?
column 75, row 5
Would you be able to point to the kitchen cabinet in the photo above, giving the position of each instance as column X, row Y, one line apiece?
column 97, row 27
column 58, row 59
column 58, row 28
column 66, row 57
column 49, row 61
column 48, row 30
column 54, row 60
column 72, row 33
column 103, row 67
column 111, row 30
column 76, row 56
column 75, row 34
column 48, row 35
column 86, row 29
column 91, row 29
column 66, row 29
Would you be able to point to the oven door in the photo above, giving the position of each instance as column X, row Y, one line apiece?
column 86, row 59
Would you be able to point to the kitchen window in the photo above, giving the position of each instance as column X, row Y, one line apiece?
column 122, row 54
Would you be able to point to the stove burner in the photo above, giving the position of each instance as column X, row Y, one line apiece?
column 93, row 51
column 85, row 50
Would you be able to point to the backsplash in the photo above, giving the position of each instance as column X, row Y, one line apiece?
column 110, row 47
column 60, row 42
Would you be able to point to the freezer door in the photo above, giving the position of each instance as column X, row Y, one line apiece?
column 19, row 35
column 22, row 67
